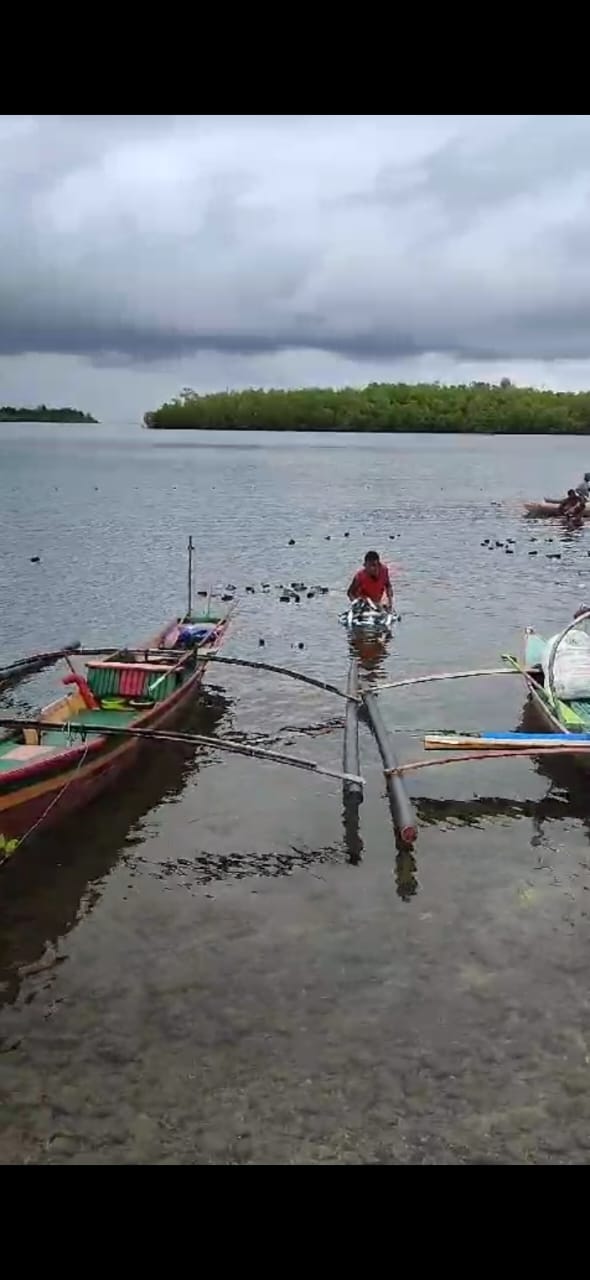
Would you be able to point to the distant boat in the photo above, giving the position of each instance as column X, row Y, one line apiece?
column 548, row 508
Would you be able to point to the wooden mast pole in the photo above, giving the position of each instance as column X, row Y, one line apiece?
column 190, row 576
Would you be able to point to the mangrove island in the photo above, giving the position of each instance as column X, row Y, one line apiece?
column 42, row 414
column 479, row 407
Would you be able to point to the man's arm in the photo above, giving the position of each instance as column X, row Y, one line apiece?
column 389, row 592
column 353, row 590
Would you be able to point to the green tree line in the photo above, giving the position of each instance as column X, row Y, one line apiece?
column 382, row 406
column 42, row 414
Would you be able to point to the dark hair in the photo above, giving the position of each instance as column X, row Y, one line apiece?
column 571, row 493
column 372, row 557
column 587, row 475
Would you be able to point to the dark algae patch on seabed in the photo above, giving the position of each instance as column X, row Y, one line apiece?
column 206, row 968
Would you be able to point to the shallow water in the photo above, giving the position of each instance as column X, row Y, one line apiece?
column 205, row 967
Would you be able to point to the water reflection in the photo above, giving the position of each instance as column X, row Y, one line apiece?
column 571, row 530
column 353, row 841
column 371, row 653
column 406, row 879
column 60, row 876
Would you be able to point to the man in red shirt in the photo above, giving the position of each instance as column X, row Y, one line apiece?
column 372, row 582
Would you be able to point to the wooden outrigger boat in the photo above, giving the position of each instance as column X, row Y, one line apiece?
column 48, row 772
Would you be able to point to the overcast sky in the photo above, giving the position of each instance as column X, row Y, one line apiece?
column 140, row 254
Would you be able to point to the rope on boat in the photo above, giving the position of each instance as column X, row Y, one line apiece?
column 50, row 806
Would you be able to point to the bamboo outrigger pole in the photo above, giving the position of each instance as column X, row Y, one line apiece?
column 190, row 576
column 414, row 765
column 280, row 671
column 79, row 729
column 446, row 675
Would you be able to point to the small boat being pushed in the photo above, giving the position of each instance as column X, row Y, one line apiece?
column 547, row 509
column 367, row 618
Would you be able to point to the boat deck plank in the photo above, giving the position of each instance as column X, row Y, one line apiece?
column 55, row 741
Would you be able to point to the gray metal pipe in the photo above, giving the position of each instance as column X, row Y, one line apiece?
column 402, row 812
column 352, row 792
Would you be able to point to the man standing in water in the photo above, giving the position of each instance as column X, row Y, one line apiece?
column 372, row 582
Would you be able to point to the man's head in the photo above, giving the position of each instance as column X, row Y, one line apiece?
column 587, row 475
column 372, row 563
column 571, row 493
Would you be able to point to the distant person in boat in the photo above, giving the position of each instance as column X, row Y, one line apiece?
column 584, row 488
column 372, row 582
column 573, row 505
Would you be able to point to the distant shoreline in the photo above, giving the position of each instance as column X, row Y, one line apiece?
column 479, row 408
column 380, row 431
column 42, row 414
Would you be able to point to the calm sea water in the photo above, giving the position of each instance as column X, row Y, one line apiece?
column 205, row 967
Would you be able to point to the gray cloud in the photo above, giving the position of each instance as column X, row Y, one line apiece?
column 144, row 239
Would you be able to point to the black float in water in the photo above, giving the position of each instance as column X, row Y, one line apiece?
column 401, row 809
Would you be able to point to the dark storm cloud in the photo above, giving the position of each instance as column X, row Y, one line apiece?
column 144, row 238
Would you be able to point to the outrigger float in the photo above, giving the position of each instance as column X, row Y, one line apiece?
column 56, row 763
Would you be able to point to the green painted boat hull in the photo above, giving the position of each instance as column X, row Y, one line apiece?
column 555, row 714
